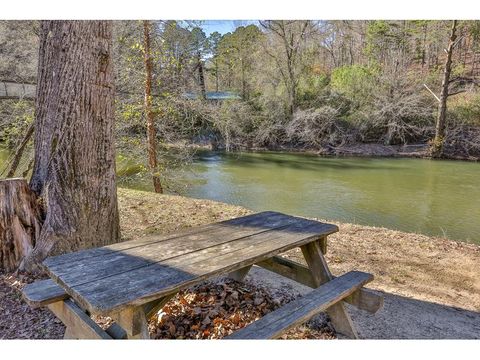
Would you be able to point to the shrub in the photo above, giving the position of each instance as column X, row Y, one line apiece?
column 397, row 119
column 318, row 127
column 465, row 108
column 356, row 82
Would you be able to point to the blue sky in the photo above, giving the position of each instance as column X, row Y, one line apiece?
column 224, row 26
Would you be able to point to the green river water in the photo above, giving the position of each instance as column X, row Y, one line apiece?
column 440, row 198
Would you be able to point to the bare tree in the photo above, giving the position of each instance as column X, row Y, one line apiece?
column 201, row 76
column 292, row 35
column 151, row 131
column 437, row 146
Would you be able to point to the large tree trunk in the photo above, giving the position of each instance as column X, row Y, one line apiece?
column 74, row 169
column 437, row 146
column 151, row 132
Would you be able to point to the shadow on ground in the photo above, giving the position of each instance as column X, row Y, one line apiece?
column 400, row 318
column 408, row 318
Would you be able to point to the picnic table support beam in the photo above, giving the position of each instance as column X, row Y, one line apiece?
column 321, row 274
column 364, row 299
column 134, row 321
column 289, row 269
column 78, row 324
column 153, row 307
column 239, row 275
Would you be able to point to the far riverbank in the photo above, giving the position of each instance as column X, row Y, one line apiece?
column 354, row 150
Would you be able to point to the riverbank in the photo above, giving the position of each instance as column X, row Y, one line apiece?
column 420, row 151
column 413, row 271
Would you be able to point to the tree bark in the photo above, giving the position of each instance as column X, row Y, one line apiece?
column 20, row 222
column 201, row 77
column 151, row 131
column 437, row 146
column 74, row 165
column 216, row 75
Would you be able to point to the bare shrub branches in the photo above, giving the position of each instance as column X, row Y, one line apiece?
column 318, row 127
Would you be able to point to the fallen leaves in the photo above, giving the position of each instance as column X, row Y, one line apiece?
column 17, row 319
column 213, row 310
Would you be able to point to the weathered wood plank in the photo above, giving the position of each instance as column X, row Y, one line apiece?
column 257, row 219
column 43, row 292
column 298, row 311
column 156, row 280
column 289, row 269
column 79, row 325
column 90, row 269
column 363, row 299
column 321, row 274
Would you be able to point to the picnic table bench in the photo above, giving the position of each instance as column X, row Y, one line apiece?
column 132, row 280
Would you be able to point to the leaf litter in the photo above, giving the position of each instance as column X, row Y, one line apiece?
column 215, row 309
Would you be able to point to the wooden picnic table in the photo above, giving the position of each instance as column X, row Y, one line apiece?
column 130, row 281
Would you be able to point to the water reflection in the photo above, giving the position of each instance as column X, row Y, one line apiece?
column 416, row 195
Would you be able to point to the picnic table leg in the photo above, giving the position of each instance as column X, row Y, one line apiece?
column 321, row 274
column 134, row 321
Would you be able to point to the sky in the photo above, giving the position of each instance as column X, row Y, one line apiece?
column 224, row 26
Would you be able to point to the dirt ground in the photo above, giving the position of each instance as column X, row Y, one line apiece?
column 431, row 285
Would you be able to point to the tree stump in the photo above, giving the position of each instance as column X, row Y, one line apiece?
column 20, row 222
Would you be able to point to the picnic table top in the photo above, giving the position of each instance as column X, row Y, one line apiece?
column 131, row 273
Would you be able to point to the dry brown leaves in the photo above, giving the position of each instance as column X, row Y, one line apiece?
column 214, row 310
column 17, row 319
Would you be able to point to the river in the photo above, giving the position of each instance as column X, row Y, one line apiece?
column 440, row 198
column 431, row 197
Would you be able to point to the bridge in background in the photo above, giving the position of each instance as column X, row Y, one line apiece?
column 13, row 90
